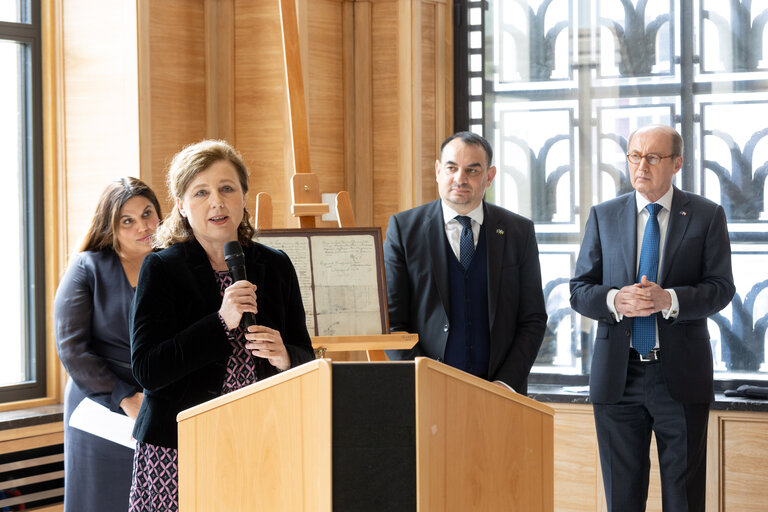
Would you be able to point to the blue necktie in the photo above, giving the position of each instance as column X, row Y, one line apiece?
column 644, row 328
column 466, row 242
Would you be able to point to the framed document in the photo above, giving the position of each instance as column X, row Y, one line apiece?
column 341, row 275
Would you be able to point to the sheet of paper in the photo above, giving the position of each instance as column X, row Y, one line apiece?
column 96, row 419
column 297, row 248
column 346, row 285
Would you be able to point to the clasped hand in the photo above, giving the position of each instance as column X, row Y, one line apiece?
column 642, row 299
column 262, row 341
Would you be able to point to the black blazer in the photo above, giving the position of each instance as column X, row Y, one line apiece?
column 416, row 259
column 696, row 264
column 179, row 346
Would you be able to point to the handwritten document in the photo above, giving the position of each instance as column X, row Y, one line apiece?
column 339, row 280
column 297, row 248
column 346, row 285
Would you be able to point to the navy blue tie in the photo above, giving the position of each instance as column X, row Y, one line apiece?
column 466, row 242
column 644, row 328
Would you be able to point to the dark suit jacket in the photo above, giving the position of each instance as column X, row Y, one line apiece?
column 696, row 264
column 90, row 313
column 179, row 346
column 416, row 259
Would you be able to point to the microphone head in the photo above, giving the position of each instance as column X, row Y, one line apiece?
column 233, row 254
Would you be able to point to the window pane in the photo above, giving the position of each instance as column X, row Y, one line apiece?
column 14, row 11
column 732, row 37
column 532, row 43
column 565, row 82
column 635, row 40
column 14, row 363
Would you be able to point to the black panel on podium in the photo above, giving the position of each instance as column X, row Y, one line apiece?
column 374, row 439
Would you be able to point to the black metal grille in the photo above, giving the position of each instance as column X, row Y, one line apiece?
column 564, row 83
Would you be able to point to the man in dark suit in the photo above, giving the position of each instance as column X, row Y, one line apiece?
column 465, row 274
column 653, row 265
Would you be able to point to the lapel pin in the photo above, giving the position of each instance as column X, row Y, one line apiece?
column 683, row 212
column 500, row 231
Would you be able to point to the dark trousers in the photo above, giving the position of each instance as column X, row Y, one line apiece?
column 624, row 437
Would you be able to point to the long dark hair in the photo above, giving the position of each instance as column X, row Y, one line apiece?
column 106, row 218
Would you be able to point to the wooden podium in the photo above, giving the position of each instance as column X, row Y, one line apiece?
column 400, row 436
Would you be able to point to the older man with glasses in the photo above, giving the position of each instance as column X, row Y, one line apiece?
column 653, row 265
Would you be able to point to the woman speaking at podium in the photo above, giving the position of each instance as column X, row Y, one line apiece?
column 188, row 344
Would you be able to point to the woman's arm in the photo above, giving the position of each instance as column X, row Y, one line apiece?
column 166, row 346
column 73, row 310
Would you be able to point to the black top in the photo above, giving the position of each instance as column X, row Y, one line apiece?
column 179, row 346
column 90, row 313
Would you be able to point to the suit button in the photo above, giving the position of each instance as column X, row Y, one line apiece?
column 627, row 333
column 445, row 328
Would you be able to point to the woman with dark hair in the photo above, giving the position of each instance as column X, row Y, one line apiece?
column 91, row 312
column 187, row 343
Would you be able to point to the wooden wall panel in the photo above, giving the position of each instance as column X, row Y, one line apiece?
column 101, row 136
column 55, row 199
column 219, row 69
column 375, row 92
column 425, row 186
column 410, row 60
column 261, row 130
column 737, row 455
column 743, row 455
column 385, row 125
column 173, row 85
column 324, row 88
column 358, row 125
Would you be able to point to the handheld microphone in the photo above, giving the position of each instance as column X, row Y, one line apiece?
column 233, row 255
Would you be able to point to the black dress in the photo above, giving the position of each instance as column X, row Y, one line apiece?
column 92, row 337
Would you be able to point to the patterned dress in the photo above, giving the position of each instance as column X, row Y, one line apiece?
column 155, row 484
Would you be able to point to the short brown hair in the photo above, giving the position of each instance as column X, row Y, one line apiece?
column 185, row 166
column 106, row 218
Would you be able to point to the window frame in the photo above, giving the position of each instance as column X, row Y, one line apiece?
column 32, row 187
column 686, row 120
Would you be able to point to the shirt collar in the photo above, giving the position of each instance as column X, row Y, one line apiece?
column 477, row 215
column 665, row 201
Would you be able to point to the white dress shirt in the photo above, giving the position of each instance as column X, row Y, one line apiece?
column 453, row 227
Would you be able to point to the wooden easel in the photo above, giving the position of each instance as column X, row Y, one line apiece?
column 306, row 197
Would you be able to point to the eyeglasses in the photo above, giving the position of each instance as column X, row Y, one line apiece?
column 651, row 158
